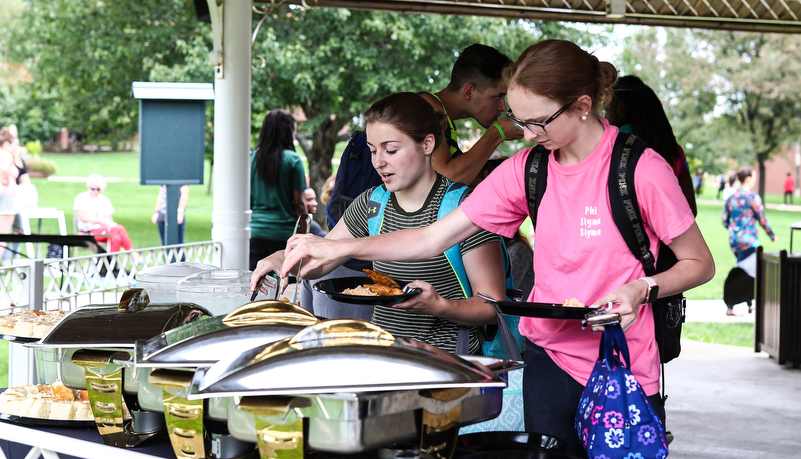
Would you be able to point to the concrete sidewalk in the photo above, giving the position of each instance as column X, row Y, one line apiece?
column 729, row 402
column 715, row 311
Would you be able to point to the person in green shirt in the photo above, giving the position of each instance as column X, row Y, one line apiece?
column 277, row 181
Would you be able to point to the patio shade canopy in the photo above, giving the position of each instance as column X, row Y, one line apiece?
column 782, row 16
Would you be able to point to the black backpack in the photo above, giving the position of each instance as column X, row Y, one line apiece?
column 668, row 311
column 354, row 176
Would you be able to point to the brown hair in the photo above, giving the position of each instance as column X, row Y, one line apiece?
column 744, row 173
column 561, row 71
column 410, row 114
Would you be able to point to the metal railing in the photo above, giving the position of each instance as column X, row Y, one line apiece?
column 69, row 283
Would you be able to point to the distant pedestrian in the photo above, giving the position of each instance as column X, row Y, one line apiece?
column 698, row 182
column 721, row 179
column 741, row 213
column 159, row 216
column 789, row 188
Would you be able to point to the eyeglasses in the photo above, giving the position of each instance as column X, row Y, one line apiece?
column 536, row 127
column 94, row 189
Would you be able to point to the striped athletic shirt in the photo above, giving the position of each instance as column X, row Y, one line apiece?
column 436, row 271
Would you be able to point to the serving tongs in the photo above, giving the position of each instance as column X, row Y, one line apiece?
column 302, row 226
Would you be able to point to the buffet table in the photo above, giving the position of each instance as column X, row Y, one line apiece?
column 17, row 441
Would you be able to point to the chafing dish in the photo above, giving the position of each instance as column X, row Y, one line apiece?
column 164, row 366
column 356, row 386
column 90, row 347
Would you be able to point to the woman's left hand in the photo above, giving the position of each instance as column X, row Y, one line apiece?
column 626, row 301
column 426, row 302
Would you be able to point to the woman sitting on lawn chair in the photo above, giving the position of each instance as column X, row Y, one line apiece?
column 93, row 216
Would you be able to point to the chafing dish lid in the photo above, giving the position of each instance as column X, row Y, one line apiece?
column 339, row 356
column 171, row 273
column 107, row 326
column 208, row 348
column 210, row 339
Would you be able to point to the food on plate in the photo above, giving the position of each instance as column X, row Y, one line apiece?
column 381, row 278
column 49, row 401
column 30, row 324
column 573, row 303
column 384, row 290
column 361, row 290
column 383, row 286
column 373, row 290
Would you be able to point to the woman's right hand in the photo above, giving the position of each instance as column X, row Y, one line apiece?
column 266, row 266
column 315, row 251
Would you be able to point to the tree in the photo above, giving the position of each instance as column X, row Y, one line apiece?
column 733, row 95
column 85, row 55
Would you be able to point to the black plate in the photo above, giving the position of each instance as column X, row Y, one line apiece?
column 19, row 339
column 22, row 420
column 542, row 310
column 332, row 288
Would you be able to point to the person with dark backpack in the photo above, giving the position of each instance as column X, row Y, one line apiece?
column 557, row 92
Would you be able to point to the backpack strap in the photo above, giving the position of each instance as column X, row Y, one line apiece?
column 623, row 199
column 536, row 179
column 453, row 197
column 375, row 209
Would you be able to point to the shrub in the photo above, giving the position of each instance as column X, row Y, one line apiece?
column 34, row 148
column 44, row 167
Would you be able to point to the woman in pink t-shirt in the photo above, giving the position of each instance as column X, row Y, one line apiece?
column 556, row 94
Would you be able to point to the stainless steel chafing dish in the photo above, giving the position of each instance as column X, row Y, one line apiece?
column 356, row 386
column 164, row 366
column 90, row 347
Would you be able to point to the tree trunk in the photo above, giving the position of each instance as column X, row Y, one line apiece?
column 761, row 157
column 319, row 154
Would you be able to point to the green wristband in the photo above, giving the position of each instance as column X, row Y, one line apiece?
column 500, row 131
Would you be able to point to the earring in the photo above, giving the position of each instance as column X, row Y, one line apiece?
column 584, row 117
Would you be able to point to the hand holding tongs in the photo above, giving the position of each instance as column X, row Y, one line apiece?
column 302, row 226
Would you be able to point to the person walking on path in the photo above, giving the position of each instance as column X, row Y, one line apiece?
column 789, row 188
column 741, row 212
column 721, row 179
column 698, row 182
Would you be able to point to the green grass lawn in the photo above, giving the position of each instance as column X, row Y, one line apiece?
column 133, row 203
column 733, row 334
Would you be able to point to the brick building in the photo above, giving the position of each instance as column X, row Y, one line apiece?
column 776, row 169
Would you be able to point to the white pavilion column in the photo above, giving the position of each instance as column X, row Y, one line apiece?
column 231, row 180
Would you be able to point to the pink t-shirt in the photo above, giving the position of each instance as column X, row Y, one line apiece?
column 579, row 250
